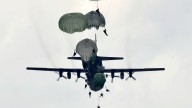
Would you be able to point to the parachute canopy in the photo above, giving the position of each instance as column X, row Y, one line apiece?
column 73, row 22
column 85, row 49
column 95, row 20
column 99, row 80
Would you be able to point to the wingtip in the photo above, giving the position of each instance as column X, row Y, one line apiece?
column 28, row 68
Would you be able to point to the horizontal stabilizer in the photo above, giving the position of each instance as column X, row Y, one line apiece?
column 75, row 58
column 110, row 58
column 100, row 57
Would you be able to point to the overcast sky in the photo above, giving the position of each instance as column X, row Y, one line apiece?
column 147, row 33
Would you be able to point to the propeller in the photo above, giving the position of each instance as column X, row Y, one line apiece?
column 61, row 75
column 76, row 80
column 112, row 77
column 111, row 80
column 78, row 76
column 130, row 76
column 133, row 78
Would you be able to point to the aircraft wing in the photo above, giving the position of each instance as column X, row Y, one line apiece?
column 85, row 70
column 132, row 70
column 75, row 70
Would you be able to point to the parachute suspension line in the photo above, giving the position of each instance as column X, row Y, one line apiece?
column 97, row 5
column 95, row 38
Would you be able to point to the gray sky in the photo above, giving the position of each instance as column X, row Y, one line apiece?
column 150, row 33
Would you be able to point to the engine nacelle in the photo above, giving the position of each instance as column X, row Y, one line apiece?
column 78, row 75
column 112, row 74
column 69, row 75
column 60, row 74
column 122, row 75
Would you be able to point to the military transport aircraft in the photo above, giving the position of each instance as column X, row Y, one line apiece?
column 95, row 71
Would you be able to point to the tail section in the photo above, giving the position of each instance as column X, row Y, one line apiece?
column 95, row 39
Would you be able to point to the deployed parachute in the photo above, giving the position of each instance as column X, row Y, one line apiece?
column 73, row 22
column 99, row 80
column 95, row 20
column 85, row 48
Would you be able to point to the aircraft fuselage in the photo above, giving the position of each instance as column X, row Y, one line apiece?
column 95, row 71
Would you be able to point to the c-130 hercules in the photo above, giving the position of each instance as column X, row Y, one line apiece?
column 95, row 71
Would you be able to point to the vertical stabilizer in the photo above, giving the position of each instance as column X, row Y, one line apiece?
column 95, row 38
